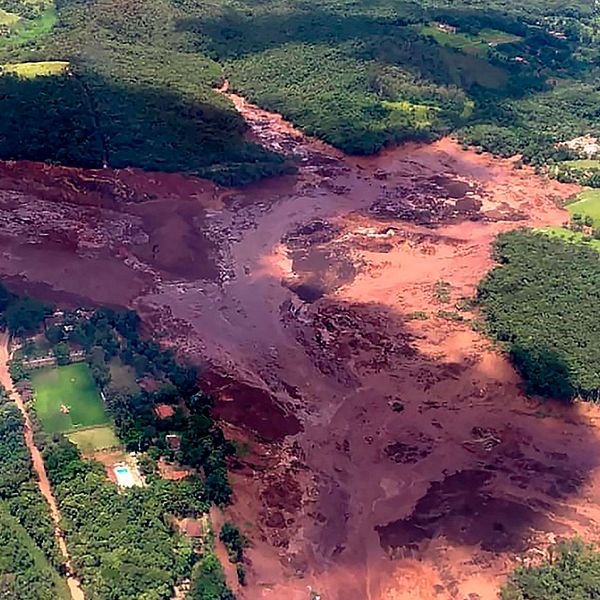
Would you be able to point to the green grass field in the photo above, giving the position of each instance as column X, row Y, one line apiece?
column 35, row 69
column 73, row 387
column 567, row 235
column 587, row 204
column 477, row 44
column 94, row 438
column 582, row 164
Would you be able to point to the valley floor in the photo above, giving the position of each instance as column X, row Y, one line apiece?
column 389, row 452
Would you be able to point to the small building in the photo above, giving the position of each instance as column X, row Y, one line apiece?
column 173, row 441
column 192, row 527
column 446, row 28
column 164, row 411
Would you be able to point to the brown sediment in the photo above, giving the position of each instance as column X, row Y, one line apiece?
column 386, row 457
column 38, row 467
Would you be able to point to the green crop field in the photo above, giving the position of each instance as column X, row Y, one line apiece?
column 587, row 204
column 71, row 386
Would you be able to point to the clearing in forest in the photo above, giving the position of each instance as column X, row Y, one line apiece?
column 587, row 205
column 35, row 69
column 67, row 401
column 467, row 42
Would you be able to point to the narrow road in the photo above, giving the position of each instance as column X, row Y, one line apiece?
column 38, row 465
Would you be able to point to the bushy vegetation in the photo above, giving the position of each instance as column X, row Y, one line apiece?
column 136, row 94
column 139, row 89
column 541, row 302
column 208, row 581
column 573, row 571
column 30, row 559
column 120, row 542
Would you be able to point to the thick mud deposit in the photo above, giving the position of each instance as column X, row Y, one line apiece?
column 389, row 453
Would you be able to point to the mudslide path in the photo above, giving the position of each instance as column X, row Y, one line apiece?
column 387, row 449
column 38, row 464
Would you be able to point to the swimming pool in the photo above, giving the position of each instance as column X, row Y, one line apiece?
column 124, row 476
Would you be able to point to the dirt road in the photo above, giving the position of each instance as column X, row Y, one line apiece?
column 389, row 453
column 38, row 463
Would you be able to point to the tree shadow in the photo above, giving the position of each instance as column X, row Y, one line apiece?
column 90, row 121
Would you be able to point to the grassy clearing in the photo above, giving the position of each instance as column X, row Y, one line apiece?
column 477, row 44
column 25, row 31
column 71, row 386
column 30, row 70
column 8, row 18
column 123, row 377
column 420, row 114
column 573, row 237
column 94, row 438
column 587, row 204
column 583, row 164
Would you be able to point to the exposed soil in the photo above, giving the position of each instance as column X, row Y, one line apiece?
column 385, row 456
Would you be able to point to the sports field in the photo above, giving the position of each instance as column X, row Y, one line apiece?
column 91, row 439
column 66, row 398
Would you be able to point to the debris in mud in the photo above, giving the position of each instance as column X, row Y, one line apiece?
column 432, row 201
column 448, row 508
column 348, row 340
column 408, row 454
column 320, row 265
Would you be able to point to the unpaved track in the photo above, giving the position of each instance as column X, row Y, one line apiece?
column 386, row 457
column 38, row 463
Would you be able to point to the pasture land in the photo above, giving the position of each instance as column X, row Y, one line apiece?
column 587, row 204
column 66, row 398
column 582, row 164
column 35, row 69
column 23, row 30
column 476, row 44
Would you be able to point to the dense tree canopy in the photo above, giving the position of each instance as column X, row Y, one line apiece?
column 542, row 303
column 572, row 572
column 139, row 89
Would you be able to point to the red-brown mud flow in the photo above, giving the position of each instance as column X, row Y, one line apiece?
column 388, row 456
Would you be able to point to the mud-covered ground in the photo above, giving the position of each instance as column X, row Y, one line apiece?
column 387, row 450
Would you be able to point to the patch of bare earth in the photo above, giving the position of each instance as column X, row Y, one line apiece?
column 384, row 456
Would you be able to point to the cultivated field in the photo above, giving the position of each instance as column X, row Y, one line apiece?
column 67, row 401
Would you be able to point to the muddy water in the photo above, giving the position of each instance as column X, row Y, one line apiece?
column 386, row 456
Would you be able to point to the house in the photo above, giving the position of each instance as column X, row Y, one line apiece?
column 446, row 28
column 164, row 411
column 173, row 441
column 192, row 527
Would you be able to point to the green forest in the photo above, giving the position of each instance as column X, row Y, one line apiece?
column 30, row 560
column 123, row 544
column 572, row 571
column 541, row 303
column 139, row 88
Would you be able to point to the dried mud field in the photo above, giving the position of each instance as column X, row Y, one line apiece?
column 388, row 453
